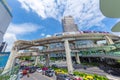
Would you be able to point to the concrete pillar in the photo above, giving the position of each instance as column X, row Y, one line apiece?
column 109, row 40
column 47, row 60
column 47, row 57
column 37, row 60
column 11, row 61
column 68, row 57
column 89, row 60
column 77, row 58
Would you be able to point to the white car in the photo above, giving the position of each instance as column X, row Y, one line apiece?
column 39, row 70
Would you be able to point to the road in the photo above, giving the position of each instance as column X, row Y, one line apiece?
column 91, row 70
column 38, row 76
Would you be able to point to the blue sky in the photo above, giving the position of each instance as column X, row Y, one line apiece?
column 34, row 19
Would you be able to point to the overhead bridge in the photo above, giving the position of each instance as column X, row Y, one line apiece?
column 65, row 43
column 28, row 54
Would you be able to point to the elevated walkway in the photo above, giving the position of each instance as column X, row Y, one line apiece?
column 66, row 41
column 112, row 56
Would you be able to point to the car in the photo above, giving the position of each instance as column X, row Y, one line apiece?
column 58, row 71
column 24, row 72
column 55, row 66
column 39, row 70
column 32, row 69
column 77, row 78
column 63, row 77
column 87, row 31
column 43, row 70
column 27, row 68
column 51, row 69
column 22, row 67
column 49, row 73
column 36, row 67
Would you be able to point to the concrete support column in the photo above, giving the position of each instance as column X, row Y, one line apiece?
column 47, row 59
column 37, row 60
column 77, row 58
column 11, row 61
column 109, row 40
column 89, row 60
column 68, row 57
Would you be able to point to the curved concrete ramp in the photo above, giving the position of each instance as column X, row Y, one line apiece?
column 10, row 62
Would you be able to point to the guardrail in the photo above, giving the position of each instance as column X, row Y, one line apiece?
column 108, row 55
column 79, row 47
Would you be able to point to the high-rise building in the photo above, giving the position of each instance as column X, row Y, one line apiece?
column 5, row 18
column 69, row 25
column 3, row 46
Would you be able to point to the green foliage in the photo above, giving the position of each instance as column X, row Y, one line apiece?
column 1, row 71
column 118, row 61
column 15, row 70
column 4, row 77
column 53, row 59
column 7, row 76
column 25, row 58
column 40, row 65
column 85, row 76
column 91, row 64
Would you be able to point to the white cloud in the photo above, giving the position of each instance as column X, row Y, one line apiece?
column 15, row 30
column 48, row 35
column 9, row 38
column 85, row 12
column 23, row 28
column 42, row 34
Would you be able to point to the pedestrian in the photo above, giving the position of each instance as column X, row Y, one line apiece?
column 28, row 74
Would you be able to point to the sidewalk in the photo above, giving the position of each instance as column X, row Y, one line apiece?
column 110, row 77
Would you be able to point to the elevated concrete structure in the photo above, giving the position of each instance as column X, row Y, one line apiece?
column 11, row 60
column 68, row 56
column 77, row 57
column 47, row 57
column 109, row 40
column 36, row 60
column 65, row 44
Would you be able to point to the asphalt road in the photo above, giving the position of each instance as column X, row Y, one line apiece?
column 38, row 76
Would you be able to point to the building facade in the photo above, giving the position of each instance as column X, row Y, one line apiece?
column 5, row 18
column 69, row 25
column 3, row 46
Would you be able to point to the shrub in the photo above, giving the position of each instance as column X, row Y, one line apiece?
column 89, row 76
